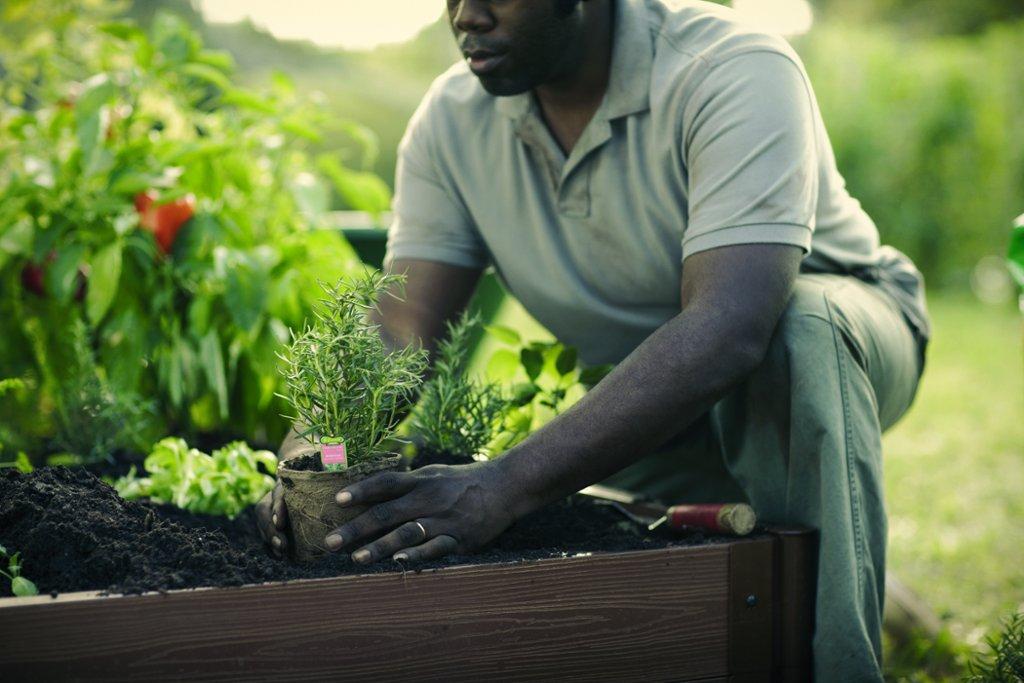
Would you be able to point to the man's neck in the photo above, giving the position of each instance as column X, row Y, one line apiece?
column 582, row 87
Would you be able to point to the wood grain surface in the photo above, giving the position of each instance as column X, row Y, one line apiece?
column 655, row 615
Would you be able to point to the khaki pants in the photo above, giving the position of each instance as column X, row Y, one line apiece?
column 800, row 440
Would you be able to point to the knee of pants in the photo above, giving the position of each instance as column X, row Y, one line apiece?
column 806, row 325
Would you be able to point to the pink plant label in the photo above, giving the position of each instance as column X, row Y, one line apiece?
column 335, row 454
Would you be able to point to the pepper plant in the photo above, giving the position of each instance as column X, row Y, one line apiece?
column 547, row 377
column 344, row 383
column 179, row 214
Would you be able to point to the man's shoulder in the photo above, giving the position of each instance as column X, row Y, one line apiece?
column 693, row 35
column 456, row 95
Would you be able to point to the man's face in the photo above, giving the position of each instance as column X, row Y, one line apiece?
column 513, row 45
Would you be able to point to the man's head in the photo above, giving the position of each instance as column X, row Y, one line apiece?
column 516, row 45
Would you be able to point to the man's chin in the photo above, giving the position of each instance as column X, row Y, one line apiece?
column 504, row 87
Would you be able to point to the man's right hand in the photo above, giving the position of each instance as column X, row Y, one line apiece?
column 272, row 520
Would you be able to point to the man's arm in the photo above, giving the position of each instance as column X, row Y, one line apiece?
column 732, row 298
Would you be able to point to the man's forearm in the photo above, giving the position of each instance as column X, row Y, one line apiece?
column 661, row 388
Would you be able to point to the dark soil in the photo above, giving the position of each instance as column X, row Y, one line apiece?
column 75, row 533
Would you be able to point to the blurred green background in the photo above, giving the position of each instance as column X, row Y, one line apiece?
column 924, row 103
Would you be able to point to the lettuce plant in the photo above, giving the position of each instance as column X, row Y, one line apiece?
column 344, row 382
column 224, row 483
column 20, row 586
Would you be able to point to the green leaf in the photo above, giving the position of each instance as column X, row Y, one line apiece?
column 1016, row 253
column 122, row 30
column 524, row 393
column 97, row 92
column 213, row 365
column 23, row 588
column 62, row 274
column 23, row 464
column 533, row 362
column 360, row 190
column 506, row 335
column 589, row 377
column 104, row 276
column 244, row 99
column 207, row 74
column 502, row 365
column 17, row 238
column 63, row 460
column 566, row 361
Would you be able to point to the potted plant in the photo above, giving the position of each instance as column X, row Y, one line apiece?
column 349, row 392
column 457, row 414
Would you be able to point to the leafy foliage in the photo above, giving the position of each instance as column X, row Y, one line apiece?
column 94, row 112
column 554, row 380
column 1015, row 256
column 943, row 181
column 343, row 380
column 224, row 483
column 457, row 413
column 20, row 586
column 1005, row 661
column 94, row 421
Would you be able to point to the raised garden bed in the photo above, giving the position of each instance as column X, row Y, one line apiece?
column 661, row 608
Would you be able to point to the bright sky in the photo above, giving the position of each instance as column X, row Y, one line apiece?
column 358, row 24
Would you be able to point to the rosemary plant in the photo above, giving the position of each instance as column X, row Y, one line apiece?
column 343, row 381
column 456, row 413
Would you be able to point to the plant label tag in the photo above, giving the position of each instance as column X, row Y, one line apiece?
column 335, row 454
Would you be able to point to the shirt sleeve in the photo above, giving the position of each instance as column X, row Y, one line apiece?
column 430, row 221
column 751, row 155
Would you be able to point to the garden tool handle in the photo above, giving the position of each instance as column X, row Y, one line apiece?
column 736, row 519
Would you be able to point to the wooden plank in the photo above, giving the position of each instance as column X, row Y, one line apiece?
column 751, row 606
column 655, row 615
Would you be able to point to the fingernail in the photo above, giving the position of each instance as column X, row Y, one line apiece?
column 343, row 498
column 361, row 555
column 276, row 542
column 400, row 557
column 334, row 542
column 275, row 520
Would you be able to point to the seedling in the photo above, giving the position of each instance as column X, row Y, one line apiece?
column 224, row 483
column 457, row 413
column 20, row 586
column 347, row 388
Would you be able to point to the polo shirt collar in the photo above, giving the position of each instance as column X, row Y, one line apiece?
column 629, row 83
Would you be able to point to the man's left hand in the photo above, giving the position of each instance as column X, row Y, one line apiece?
column 425, row 514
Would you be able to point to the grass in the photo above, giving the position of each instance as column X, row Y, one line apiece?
column 954, row 472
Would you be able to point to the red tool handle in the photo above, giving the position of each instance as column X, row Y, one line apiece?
column 722, row 518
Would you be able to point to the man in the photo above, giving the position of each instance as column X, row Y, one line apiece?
column 655, row 185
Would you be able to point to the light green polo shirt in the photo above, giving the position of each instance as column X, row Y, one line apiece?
column 709, row 136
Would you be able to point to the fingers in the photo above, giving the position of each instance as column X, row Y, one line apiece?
column 405, row 536
column 431, row 550
column 271, row 520
column 380, row 487
column 280, row 512
column 376, row 520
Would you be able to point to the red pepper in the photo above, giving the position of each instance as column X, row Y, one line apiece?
column 164, row 220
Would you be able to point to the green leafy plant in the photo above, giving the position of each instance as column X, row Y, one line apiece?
column 550, row 379
column 20, row 586
column 344, row 383
column 1004, row 663
column 95, row 420
column 224, row 483
column 457, row 413
column 1015, row 256
column 184, row 217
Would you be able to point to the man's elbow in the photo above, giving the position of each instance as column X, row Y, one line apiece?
column 746, row 350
